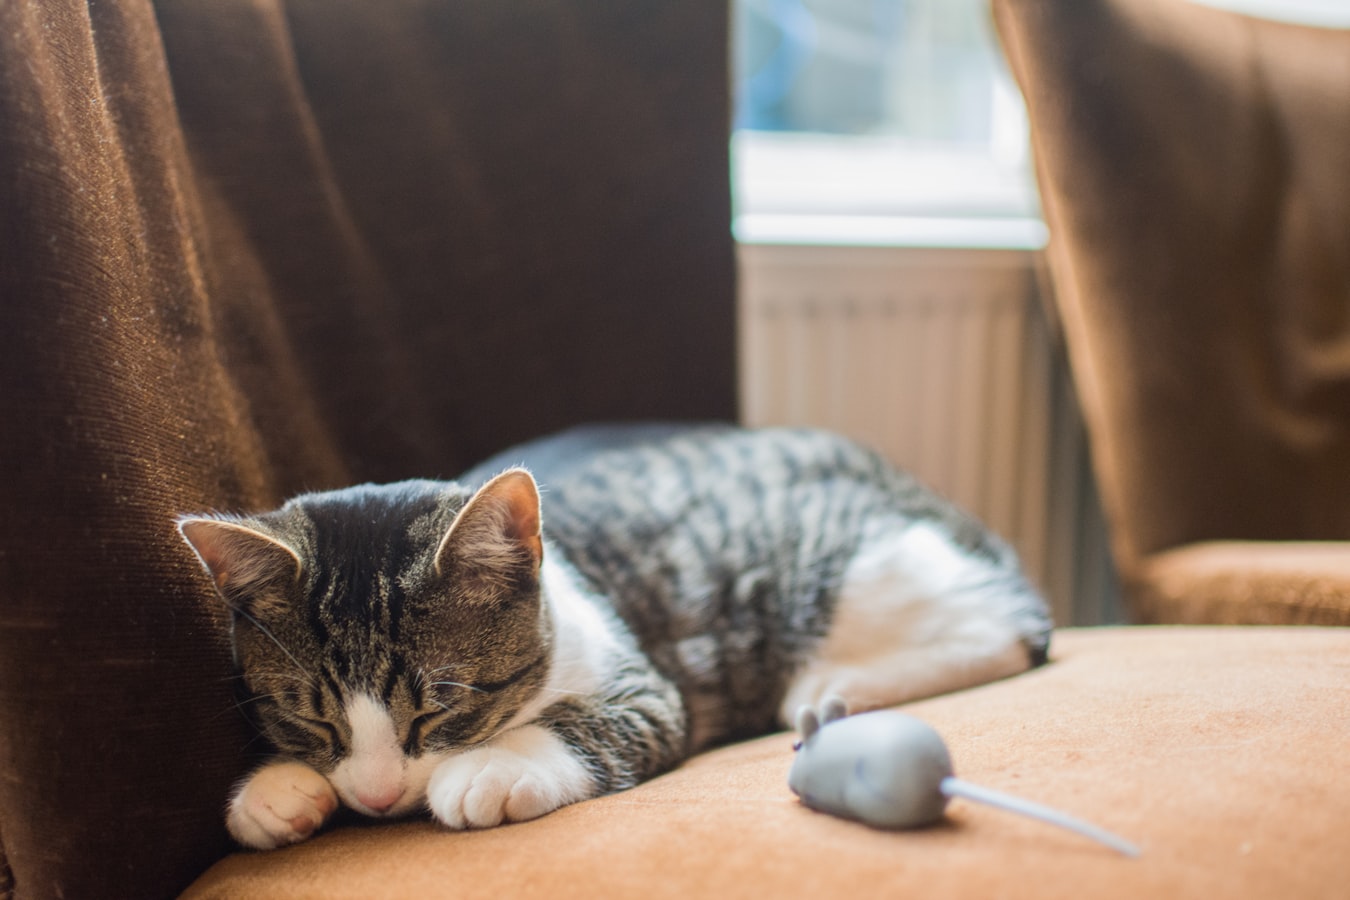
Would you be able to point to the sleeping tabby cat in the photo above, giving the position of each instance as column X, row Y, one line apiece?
column 422, row 645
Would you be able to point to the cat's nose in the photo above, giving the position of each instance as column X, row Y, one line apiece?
column 380, row 800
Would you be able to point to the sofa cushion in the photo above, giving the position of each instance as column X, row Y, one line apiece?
column 1220, row 751
column 1262, row 582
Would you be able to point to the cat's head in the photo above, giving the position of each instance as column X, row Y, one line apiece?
column 378, row 629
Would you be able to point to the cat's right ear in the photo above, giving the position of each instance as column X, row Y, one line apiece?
column 240, row 560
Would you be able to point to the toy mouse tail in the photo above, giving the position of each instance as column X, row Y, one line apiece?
column 956, row 787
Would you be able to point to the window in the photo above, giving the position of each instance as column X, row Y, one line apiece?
column 878, row 121
column 1328, row 13
column 893, row 122
column 923, row 70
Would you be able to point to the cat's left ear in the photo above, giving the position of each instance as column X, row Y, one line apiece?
column 497, row 529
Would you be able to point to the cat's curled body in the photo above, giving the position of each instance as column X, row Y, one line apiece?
column 422, row 645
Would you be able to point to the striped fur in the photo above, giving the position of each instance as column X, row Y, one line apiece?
column 691, row 590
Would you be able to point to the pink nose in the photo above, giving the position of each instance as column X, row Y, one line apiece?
column 380, row 800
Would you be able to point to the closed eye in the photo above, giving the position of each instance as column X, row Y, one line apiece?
column 327, row 729
column 302, row 735
column 425, row 722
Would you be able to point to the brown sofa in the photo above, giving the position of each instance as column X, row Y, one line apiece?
column 249, row 247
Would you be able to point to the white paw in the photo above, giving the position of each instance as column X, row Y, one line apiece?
column 520, row 775
column 280, row 804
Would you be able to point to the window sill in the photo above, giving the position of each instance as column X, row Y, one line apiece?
column 891, row 231
column 869, row 191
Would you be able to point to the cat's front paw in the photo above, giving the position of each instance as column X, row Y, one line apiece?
column 281, row 803
column 520, row 775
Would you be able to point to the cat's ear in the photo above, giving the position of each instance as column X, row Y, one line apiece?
column 497, row 530
column 240, row 560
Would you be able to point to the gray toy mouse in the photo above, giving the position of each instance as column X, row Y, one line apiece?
column 891, row 770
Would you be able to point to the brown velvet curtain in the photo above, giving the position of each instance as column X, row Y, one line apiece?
column 249, row 248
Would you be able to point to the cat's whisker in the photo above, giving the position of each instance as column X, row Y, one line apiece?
column 240, row 704
column 303, row 677
column 561, row 691
column 253, row 740
column 457, row 684
column 237, row 707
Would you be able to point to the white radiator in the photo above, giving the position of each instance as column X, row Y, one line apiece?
column 941, row 360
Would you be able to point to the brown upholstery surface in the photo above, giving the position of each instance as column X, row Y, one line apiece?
column 1195, row 177
column 249, row 247
column 1272, row 582
column 1220, row 751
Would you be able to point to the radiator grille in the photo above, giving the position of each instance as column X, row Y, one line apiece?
column 941, row 360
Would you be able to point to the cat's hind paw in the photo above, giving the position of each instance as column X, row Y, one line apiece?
column 279, row 804
column 520, row 775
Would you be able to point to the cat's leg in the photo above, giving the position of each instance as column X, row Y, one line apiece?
column 883, row 680
column 282, row 802
column 916, row 616
column 575, row 750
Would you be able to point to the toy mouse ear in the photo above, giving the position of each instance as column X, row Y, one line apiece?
column 834, row 707
column 807, row 722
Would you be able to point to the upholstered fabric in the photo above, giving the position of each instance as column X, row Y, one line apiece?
column 1193, row 173
column 1271, row 582
column 249, row 247
column 1219, row 751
